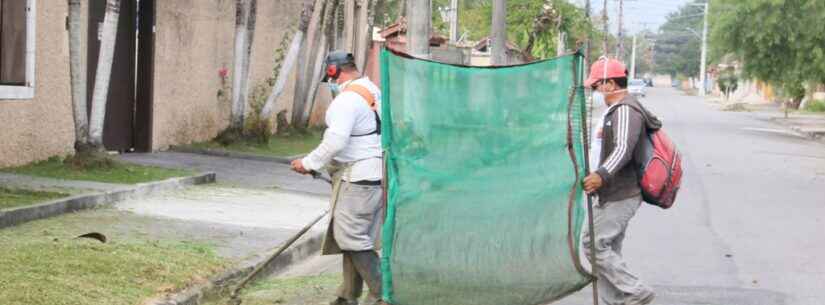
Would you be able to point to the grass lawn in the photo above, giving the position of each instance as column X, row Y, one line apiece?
column 119, row 173
column 11, row 198
column 43, row 264
column 278, row 146
column 290, row 291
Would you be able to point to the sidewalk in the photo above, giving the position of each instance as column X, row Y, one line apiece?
column 811, row 125
column 235, row 172
column 806, row 124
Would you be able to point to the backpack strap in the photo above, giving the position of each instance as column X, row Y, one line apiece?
column 639, row 108
column 364, row 93
column 370, row 99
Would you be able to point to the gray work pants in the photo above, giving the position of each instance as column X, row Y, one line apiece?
column 360, row 267
column 616, row 282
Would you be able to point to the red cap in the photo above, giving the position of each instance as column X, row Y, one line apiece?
column 615, row 69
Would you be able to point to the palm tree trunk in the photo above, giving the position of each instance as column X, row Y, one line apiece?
column 324, row 39
column 252, row 11
column 313, row 88
column 363, row 35
column 289, row 62
column 283, row 74
column 78, row 78
column 104, row 73
column 303, row 82
column 238, row 85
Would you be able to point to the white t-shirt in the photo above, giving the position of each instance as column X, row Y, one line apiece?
column 347, row 139
column 596, row 142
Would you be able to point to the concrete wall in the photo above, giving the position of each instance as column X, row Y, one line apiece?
column 38, row 128
column 195, row 39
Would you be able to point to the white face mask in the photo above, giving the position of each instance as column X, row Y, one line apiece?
column 334, row 88
column 598, row 98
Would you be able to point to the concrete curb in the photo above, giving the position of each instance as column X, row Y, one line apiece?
column 16, row 216
column 222, row 284
column 235, row 155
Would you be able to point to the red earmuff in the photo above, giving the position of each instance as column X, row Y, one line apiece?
column 332, row 71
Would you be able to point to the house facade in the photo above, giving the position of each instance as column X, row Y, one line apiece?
column 171, row 77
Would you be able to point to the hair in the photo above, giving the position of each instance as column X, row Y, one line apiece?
column 349, row 67
column 620, row 81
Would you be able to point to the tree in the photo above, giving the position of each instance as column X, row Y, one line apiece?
column 774, row 39
column 678, row 44
column 306, row 64
column 78, row 77
column 245, row 11
column 103, row 75
column 534, row 25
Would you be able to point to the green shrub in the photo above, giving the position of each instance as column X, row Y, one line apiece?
column 815, row 106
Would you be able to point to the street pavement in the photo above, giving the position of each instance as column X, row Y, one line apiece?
column 747, row 225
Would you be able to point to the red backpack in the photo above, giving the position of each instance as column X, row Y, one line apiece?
column 661, row 170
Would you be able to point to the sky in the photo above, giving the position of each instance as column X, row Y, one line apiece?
column 638, row 14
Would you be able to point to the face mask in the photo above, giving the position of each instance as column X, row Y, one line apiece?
column 598, row 98
column 334, row 88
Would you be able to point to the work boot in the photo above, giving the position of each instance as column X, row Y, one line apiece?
column 643, row 298
column 343, row 301
column 374, row 300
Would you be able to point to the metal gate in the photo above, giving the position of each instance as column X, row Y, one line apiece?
column 127, row 126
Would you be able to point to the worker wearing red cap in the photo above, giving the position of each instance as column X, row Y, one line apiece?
column 615, row 183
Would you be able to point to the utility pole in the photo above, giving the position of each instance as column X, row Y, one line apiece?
column 633, row 59
column 702, row 87
column 453, row 21
column 498, row 35
column 620, row 46
column 418, row 27
column 587, row 43
column 605, row 30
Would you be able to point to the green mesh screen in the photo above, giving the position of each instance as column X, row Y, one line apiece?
column 484, row 206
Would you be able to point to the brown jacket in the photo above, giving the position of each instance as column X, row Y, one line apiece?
column 625, row 125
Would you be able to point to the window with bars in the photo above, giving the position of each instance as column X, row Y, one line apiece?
column 16, row 49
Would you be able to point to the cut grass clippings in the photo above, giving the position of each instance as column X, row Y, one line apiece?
column 291, row 144
column 12, row 198
column 117, row 173
column 43, row 264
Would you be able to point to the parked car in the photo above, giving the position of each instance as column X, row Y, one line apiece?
column 636, row 87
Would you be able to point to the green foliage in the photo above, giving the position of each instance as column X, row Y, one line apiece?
column 522, row 16
column 678, row 49
column 291, row 142
column 776, row 40
column 475, row 17
column 815, row 106
column 111, row 172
